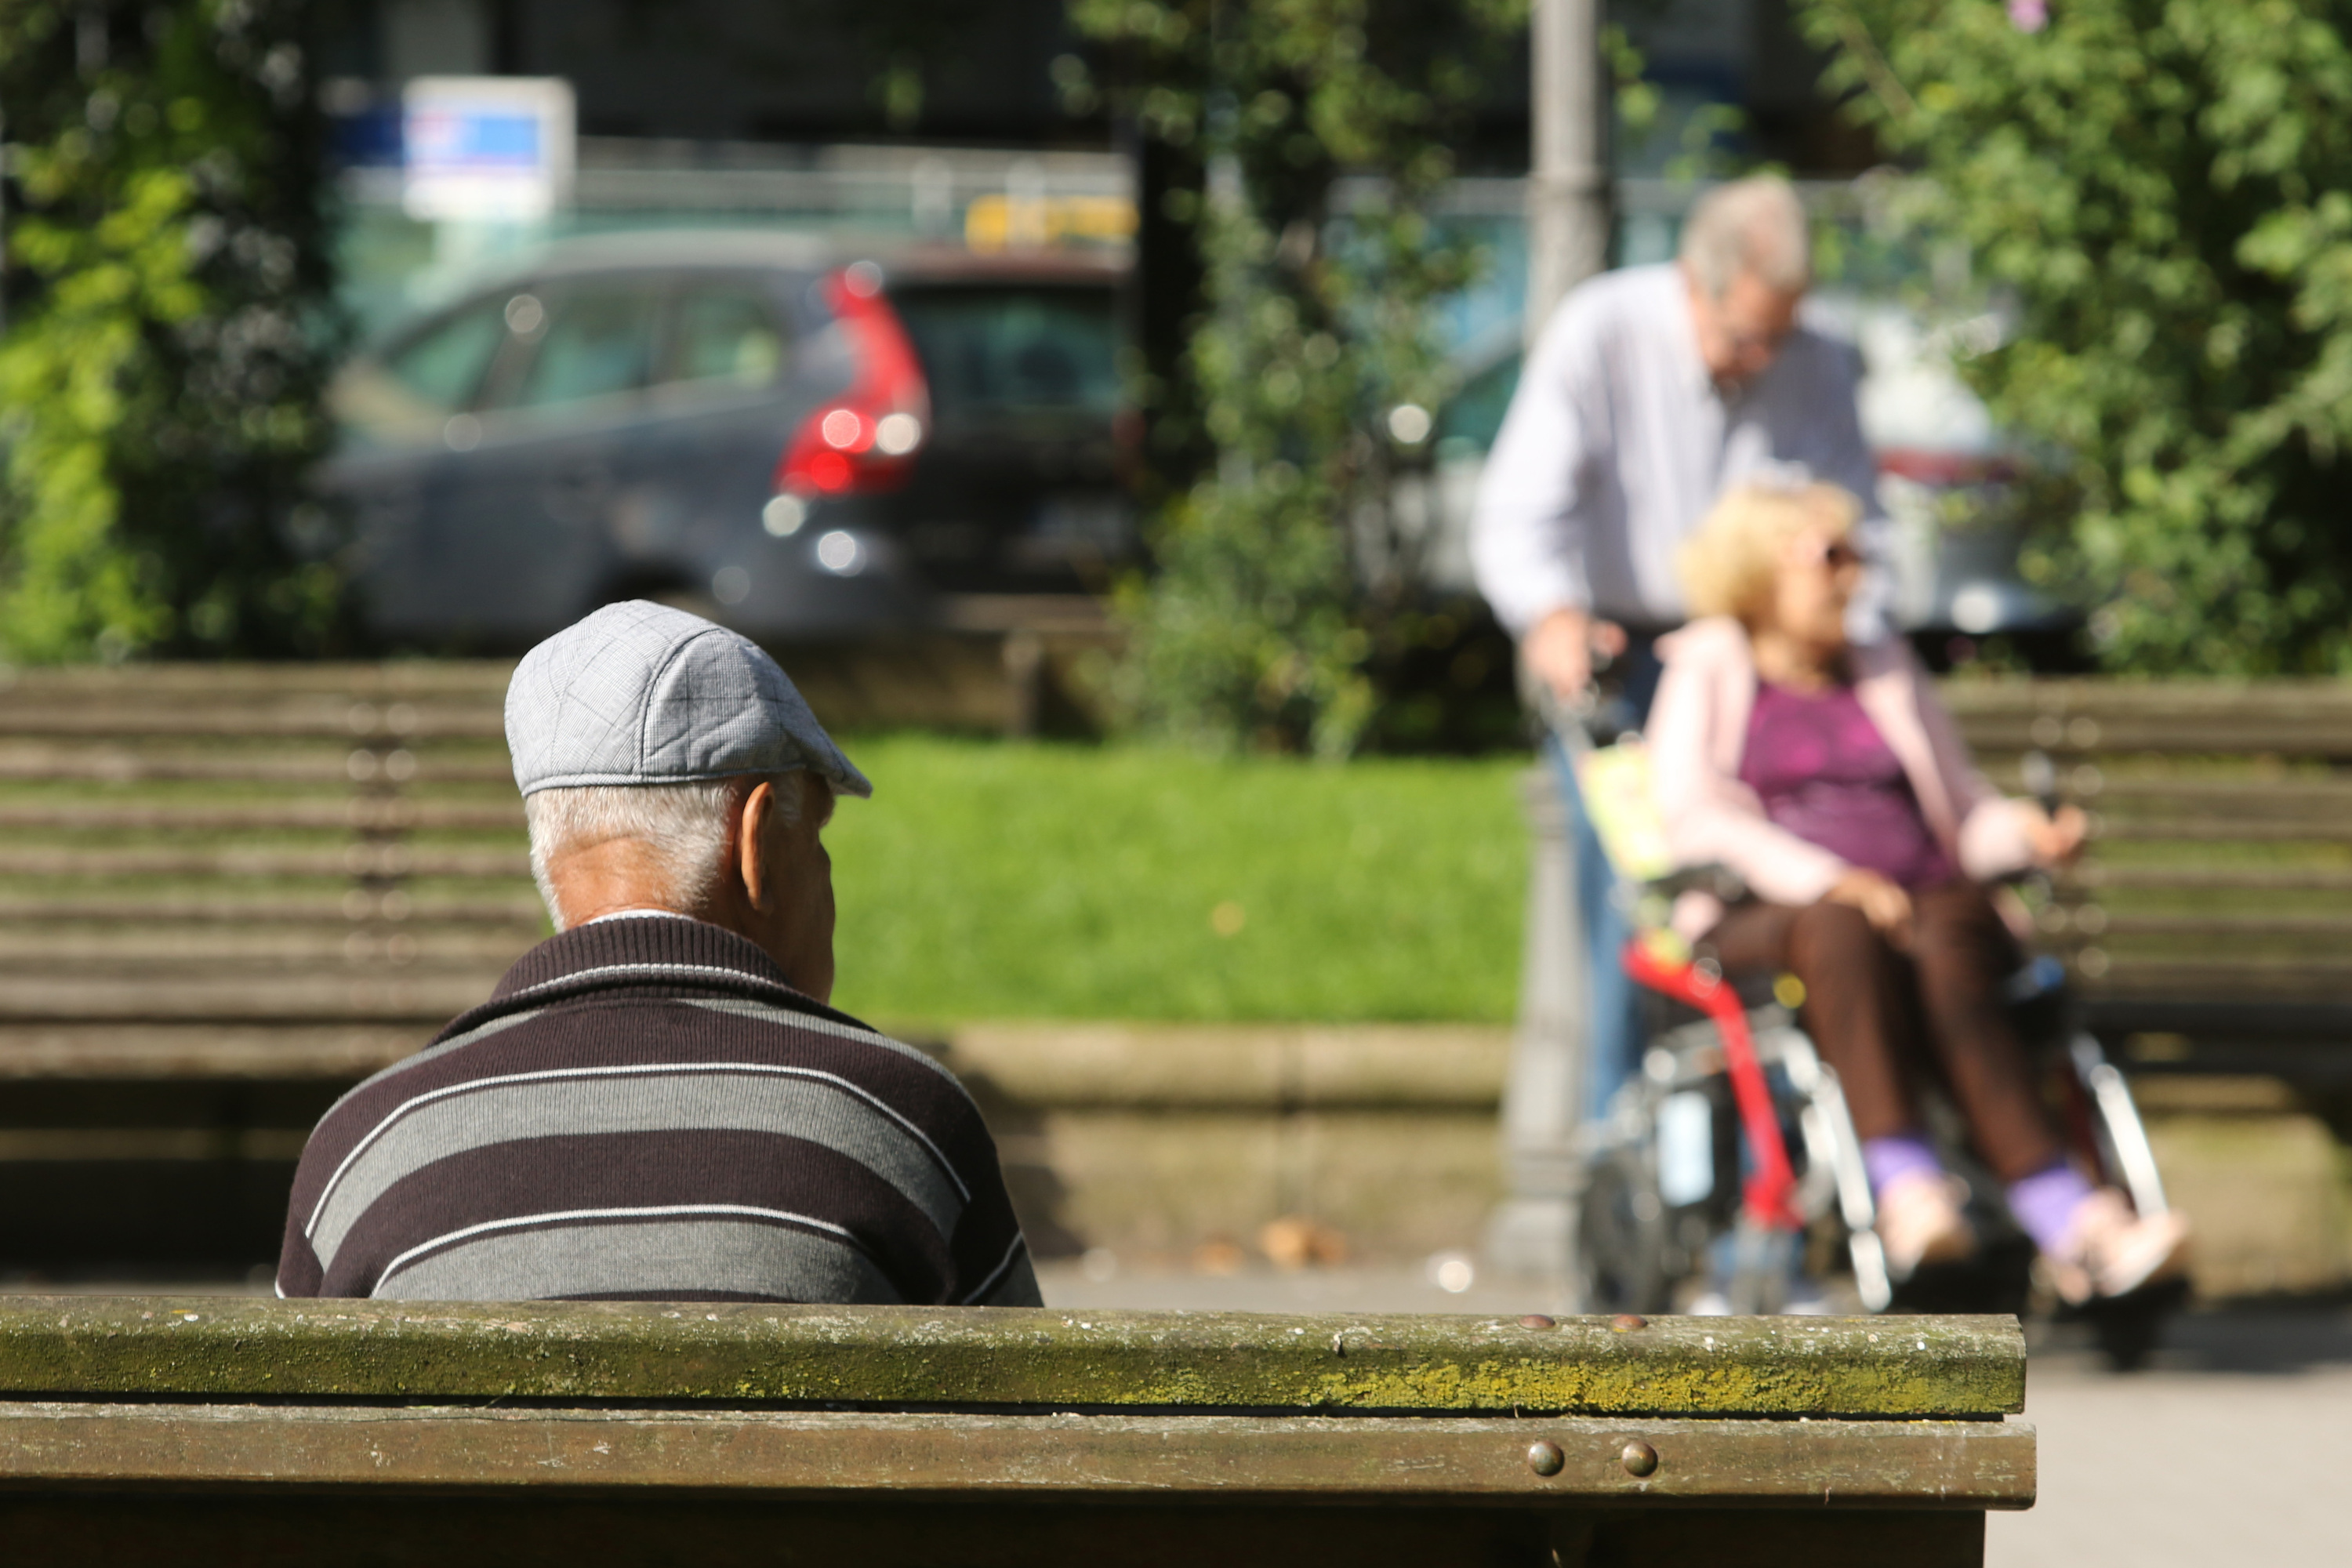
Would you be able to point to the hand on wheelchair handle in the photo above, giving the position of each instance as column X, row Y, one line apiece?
column 1882, row 903
column 2056, row 837
column 1564, row 648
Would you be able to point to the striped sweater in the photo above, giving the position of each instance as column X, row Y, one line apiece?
column 644, row 1109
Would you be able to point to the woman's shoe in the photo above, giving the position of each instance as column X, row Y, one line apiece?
column 1920, row 1221
column 2109, row 1250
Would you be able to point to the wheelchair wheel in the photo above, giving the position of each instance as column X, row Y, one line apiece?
column 1621, row 1237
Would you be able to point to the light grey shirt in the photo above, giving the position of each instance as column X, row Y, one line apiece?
column 1618, row 441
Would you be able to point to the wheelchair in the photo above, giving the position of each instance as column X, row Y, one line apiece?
column 1726, row 1175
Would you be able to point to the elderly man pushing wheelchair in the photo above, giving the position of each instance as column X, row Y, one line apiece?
column 1661, row 399
column 1651, row 391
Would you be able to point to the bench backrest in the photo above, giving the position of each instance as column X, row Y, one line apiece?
column 2206, row 923
column 304, row 870
column 316, row 864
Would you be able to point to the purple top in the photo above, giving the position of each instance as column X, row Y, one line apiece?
column 1826, row 775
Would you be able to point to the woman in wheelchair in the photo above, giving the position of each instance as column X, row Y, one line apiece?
column 1828, row 777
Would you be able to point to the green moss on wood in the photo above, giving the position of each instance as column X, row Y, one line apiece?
column 1951, row 1367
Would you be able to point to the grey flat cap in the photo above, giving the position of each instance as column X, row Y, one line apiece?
column 642, row 694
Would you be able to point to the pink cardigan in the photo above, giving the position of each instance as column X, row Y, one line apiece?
column 1698, row 730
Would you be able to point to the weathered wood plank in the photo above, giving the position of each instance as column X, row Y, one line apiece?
column 325, row 718
column 395, row 860
column 26, row 761
column 2218, row 830
column 557, row 1527
column 80, row 1051
column 384, row 996
column 2226, row 924
column 1954, row 1465
column 2239, row 982
column 2300, row 878
column 395, row 906
column 481, row 679
column 261, row 954
column 342, row 813
column 1951, row 1367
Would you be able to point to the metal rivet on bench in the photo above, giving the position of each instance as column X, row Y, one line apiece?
column 1545, row 1459
column 1536, row 1320
column 1639, row 1459
column 1626, row 1322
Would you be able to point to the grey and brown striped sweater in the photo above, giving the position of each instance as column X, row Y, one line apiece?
column 644, row 1109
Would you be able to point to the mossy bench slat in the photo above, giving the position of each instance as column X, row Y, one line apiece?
column 1955, row 1368
column 204, row 1427
column 1954, row 1465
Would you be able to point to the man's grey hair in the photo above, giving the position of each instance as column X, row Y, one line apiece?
column 685, row 826
column 1755, row 225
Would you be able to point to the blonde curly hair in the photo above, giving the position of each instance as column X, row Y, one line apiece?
column 1728, row 566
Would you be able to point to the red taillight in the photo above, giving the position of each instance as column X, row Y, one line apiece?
column 867, row 438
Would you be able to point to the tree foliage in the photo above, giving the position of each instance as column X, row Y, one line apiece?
column 2162, row 192
column 1321, row 130
column 167, row 336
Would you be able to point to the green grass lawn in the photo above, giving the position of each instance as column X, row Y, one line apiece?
column 987, row 880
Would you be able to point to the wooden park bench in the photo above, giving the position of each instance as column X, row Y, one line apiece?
column 203, row 1431
column 2208, row 927
column 227, row 893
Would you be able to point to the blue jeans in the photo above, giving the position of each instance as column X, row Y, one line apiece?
column 1613, row 1036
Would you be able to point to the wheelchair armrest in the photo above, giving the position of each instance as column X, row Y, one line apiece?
column 1714, row 878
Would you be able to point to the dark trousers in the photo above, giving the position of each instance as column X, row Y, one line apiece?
column 1882, row 1017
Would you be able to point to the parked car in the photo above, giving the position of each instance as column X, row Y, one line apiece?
column 804, row 443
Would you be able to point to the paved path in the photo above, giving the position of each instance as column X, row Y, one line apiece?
column 2233, row 1450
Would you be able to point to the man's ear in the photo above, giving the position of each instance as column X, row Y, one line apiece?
column 751, row 848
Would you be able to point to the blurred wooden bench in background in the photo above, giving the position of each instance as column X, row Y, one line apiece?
column 200, row 1431
column 2208, row 927
column 227, row 893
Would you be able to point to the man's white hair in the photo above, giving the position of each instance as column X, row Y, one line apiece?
column 683, row 827
column 1755, row 225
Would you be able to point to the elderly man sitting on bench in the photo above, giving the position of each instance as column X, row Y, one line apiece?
column 656, row 1103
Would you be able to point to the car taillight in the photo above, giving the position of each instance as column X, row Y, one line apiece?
column 867, row 438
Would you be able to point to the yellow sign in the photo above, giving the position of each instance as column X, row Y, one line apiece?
column 1002, row 223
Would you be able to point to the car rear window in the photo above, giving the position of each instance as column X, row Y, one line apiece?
column 997, row 350
column 596, row 342
column 410, row 393
column 725, row 335
column 441, row 368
